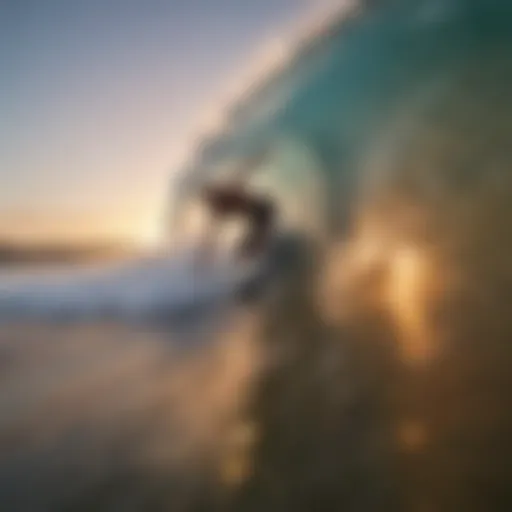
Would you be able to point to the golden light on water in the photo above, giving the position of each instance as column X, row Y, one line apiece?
column 236, row 464
column 407, row 297
column 412, row 435
column 395, row 276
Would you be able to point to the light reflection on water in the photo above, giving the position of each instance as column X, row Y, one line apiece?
column 105, row 414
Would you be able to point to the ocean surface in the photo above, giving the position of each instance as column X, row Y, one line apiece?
column 119, row 383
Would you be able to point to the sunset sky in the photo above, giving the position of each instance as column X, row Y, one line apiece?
column 99, row 99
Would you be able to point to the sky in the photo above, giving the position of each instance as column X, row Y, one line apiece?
column 100, row 98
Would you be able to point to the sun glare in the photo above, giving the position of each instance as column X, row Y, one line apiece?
column 151, row 237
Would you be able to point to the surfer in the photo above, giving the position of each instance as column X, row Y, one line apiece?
column 233, row 200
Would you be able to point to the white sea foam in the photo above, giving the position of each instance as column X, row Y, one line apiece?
column 145, row 289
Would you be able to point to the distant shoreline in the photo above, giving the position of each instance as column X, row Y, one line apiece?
column 18, row 254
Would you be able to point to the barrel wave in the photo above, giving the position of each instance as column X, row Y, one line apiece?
column 371, row 371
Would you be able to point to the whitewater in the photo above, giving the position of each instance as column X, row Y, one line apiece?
column 156, row 288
